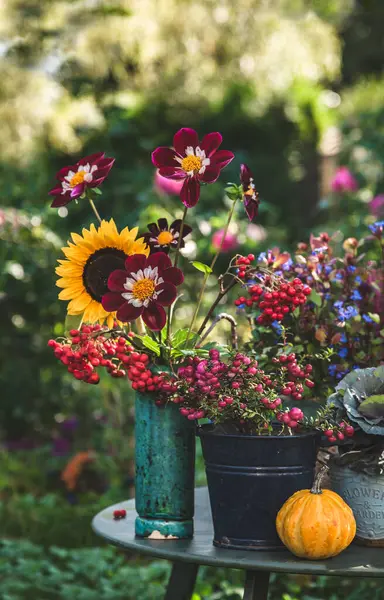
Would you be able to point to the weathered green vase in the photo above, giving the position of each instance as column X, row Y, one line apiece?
column 165, row 469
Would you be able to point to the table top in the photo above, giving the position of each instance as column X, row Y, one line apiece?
column 355, row 561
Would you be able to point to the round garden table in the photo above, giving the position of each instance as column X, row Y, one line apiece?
column 187, row 555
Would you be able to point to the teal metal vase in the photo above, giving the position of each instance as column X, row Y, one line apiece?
column 165, row 470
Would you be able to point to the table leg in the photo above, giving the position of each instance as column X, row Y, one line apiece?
column 256, row 585
column 182, row 581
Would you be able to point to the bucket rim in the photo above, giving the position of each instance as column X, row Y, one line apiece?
column 207, row 431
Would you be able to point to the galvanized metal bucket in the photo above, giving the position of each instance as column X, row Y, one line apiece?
column 365, row 495
column 165, row 470
column 249, row 479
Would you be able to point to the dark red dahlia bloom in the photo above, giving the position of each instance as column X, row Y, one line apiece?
column 142, row 289
column 161, row 237
column 250, row 196
column 193, row 161
column 89, row 172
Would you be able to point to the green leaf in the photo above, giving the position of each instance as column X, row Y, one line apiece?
column 379, row 372
column 181, row 336
column 201, row 267
column 315, row 298
column 151, row 344
column 375, row 317
column 72, row 322
column 373, row 406
column 97, row 191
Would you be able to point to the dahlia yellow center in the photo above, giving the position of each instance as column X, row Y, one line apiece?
column 250, row 191
column 191, row 163
column 77, row 178
column 164, row 238
column 143, row 289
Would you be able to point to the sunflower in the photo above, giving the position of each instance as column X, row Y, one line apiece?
column 90, row 259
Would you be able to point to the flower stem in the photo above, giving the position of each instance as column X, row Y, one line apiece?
column 230, row 215
column 91, row 202
column 177, row 254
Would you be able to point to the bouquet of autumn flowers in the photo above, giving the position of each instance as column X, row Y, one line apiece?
column 121, row 289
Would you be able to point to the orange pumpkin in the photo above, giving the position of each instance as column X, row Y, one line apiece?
column 316, row 523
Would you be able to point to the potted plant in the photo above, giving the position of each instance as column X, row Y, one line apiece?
column 258, row 448
column 357, row 472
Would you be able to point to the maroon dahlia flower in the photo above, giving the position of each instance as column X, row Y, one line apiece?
column 250, row 196
column 89, row 172
column 192, row 161
column 163, row 237
column 143, row 289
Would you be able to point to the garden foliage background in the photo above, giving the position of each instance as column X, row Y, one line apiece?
column 294, row 86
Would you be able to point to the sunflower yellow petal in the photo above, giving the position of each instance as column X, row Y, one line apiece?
column 110, row 320
column 82, row 242
column 69, row 282
column 70, row 293
column 79, row 304
column 69, row 270
column 76, row 254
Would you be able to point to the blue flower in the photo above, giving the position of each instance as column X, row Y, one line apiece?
column 338, row 304
column 287, row 265
column 327, row 269
column 367, row 319
column 358, row 279
column 377, row 228
column 332, row 370
column 277, row 327
column 356, row 295
column 344, row 314
column 351, row 269
column 343, row 338
column 343, row 352
column 339, row 276
column 262, row 257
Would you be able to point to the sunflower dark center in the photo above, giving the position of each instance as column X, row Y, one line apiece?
column 98, row 268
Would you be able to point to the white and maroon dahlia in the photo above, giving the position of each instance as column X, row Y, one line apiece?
column 90, row 172
column 143, row 289
column 192, row 161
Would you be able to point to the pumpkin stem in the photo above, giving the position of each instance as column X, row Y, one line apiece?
column 316, row 488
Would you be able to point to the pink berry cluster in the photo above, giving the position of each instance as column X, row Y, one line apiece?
column 275, row 298
column 232, row 390
column 294, row 375
column 339, row 432
column 291, row 418
column 92, row 347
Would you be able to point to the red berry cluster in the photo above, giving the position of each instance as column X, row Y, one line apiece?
column 119, row 514
column 243, row 262
column 294, row 374
column 340, row 432
column 275, row 298
column 93, row 347
column 143, row 380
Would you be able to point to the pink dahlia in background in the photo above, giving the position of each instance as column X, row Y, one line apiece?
column 250, row 195
column 376, row 205
column 344, row 181
column 89, row 172
column 143, row 289
column 230, row 241
column 192, row 162
column 171, row 187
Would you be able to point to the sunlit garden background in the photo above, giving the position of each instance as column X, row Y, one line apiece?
column 296, row 88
